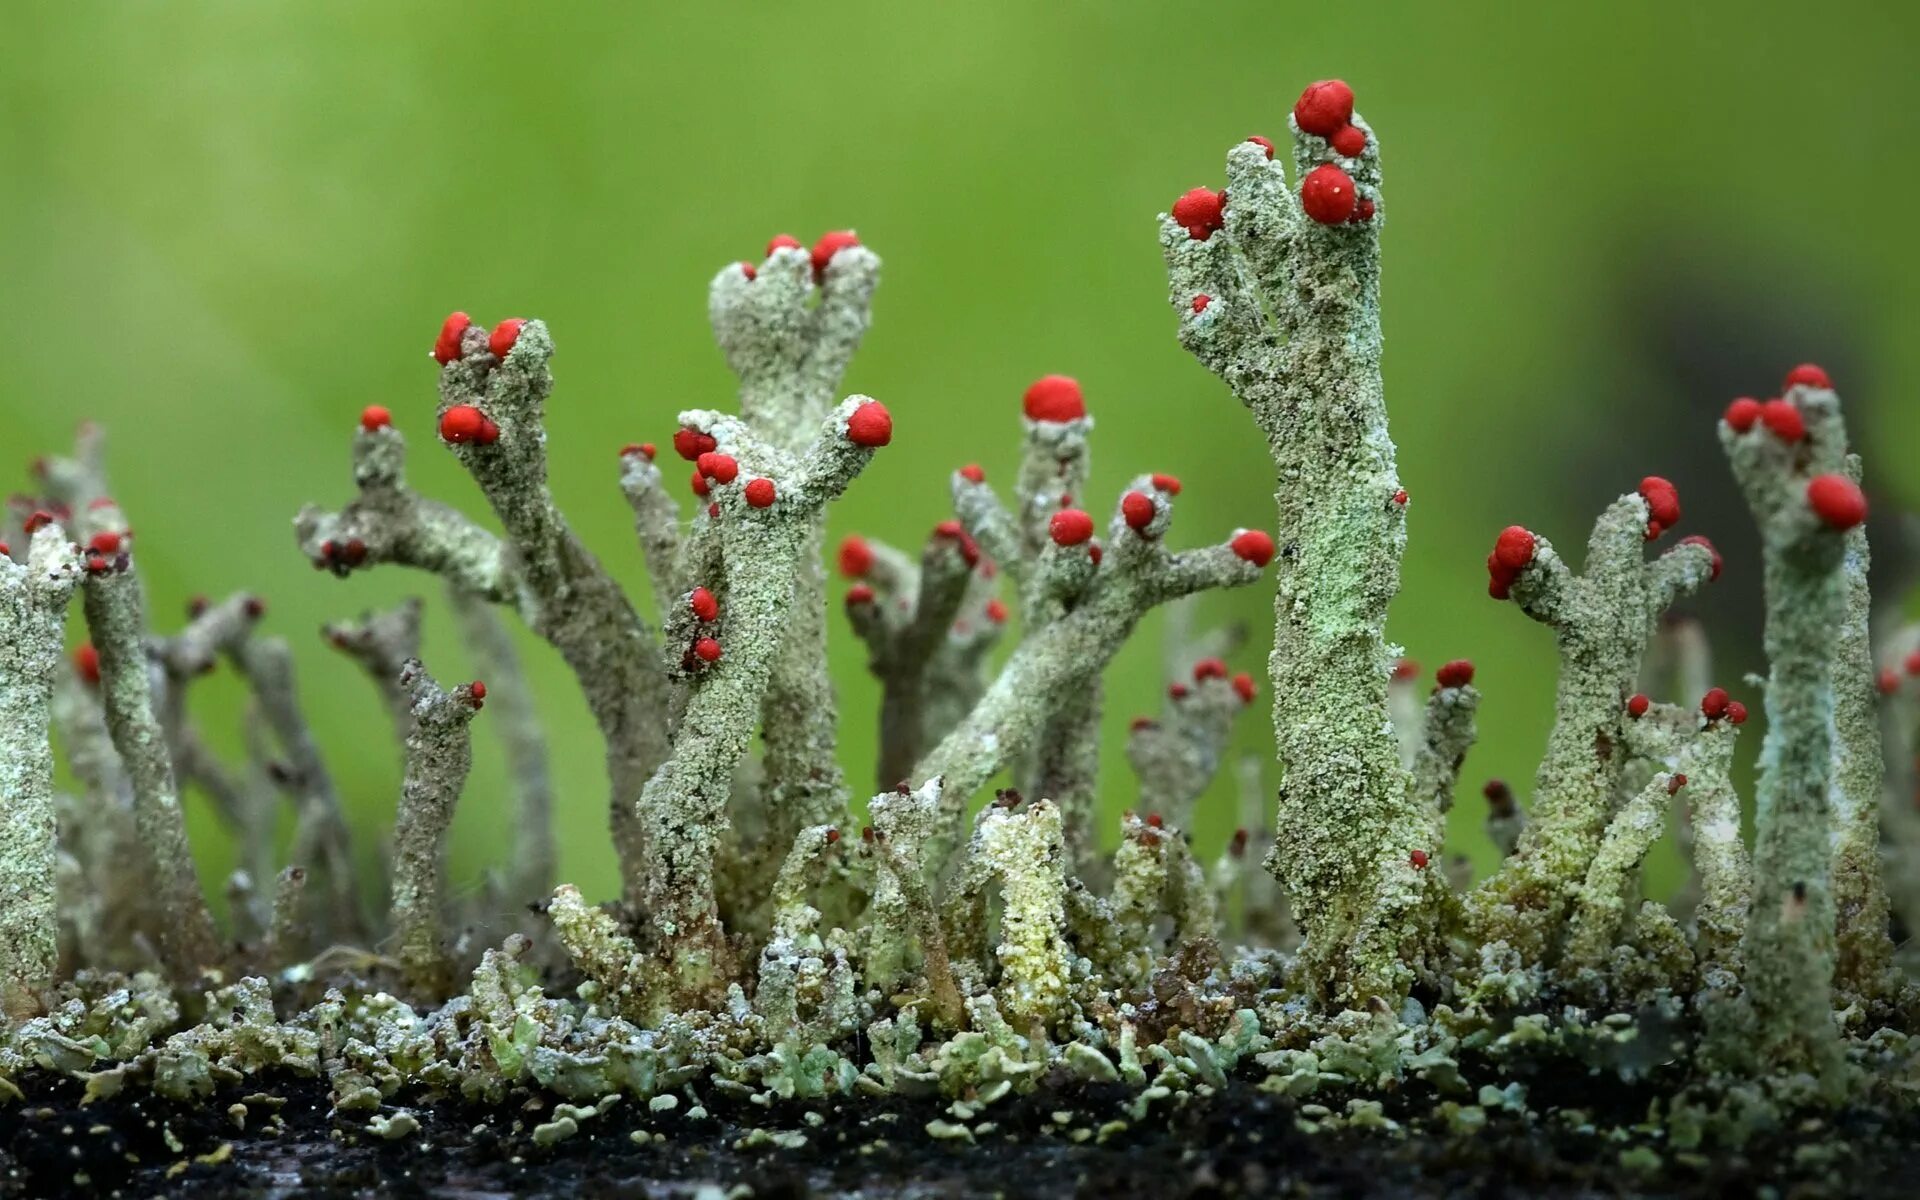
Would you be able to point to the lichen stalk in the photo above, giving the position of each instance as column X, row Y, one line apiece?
column 439, row 755
column 517, row 724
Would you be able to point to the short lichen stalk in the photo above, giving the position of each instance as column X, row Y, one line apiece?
column 1177, row 755
column 33, row 606
column 1790, row 457
column 439, row 755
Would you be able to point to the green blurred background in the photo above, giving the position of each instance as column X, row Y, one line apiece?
column 225, row 227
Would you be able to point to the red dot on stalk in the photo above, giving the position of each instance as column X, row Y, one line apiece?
column 504, row 335
column 1912, row 662
column 1637, row 705
column 39, row 519
column 1140, row 723
column 1741, row 414
column 1837, row 501
column 856, row 556
column 1713, row 571
column 1167, row 483
column 446, row 347
column 699, row 484
column 747, row 269
column 1054, row 398
column 759, row 492
column 1663, row 500
column 782, row 241
column 1253, row 545
column 1324, row 107
column 997, row 611
column 6, row 551
column 1177, row 691
column 644, row 449
column 1138, row 509
column 870, row 425
column 1264, row 144
column 1713, row 705
column 104, row 542
column 1676, row 783
column 86, row 660
column 1327, row 194
column 707, row 650
column 1069, row 527
column 1400, row 497
column 1200, row 212
column 478, row 689
column 859, row 593
column 1362, row 212
column 1888, row 681
column 1349, row 141
column 1783, row 420
column 1513, row 549
column 1458, row 673
column 703, row 604
column 1736, row 712
column 973, row 474
column 1243, row 687
column 1418, row 859
column 1209, row 668
column 1201, row 301
column 721, row 468
column 462, row 424
column 829, row 245
column 690, row 444
column 375, row 416
column 1807, row 375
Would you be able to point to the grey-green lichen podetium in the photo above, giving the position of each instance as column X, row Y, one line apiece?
column 1819, row 763
column 34, row 596
column 1286, row 311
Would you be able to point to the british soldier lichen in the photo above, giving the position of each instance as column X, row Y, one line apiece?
column 756, row 951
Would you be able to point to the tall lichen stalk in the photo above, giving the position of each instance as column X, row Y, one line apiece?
column 759, row 951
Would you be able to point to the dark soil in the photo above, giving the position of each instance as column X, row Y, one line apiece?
column 1242, row 1143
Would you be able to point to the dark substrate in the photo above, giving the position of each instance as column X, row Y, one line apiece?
column 1242, row 1143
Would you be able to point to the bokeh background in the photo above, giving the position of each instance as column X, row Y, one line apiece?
column 227, row 226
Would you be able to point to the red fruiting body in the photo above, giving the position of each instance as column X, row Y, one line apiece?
column 504, row 335
column 35, row 522
column 446, row 347
column 1349, row 141
column 690, row 444
column 1054, row 398
column 632, row 448
column 1807, row 375
column 1912, row 662
column 1419, row 860
column 859, row 593
column 1156, row 821
column 254, row 607
column 1069, row 527
column 1400, row 497
column 1243, row 687
column 1663, row 501
column 871, row 425
column 1713, row 572
column 721, row 468
column 1177, row 691
column 1263, row 143
column 973, row 474
column 354, row 553
column 1095, row 552
column 699, row 484
column 96, row 565
column 461, row 424
column 105, row 542
column 704, row 606
column 949, row 528
column 1836, row 500
column 1783, row 420
column 1404, row 670
column 86, row 660
column 479, row 692
column 375, row 416
column 707, row 650
column 1741, row 414
column 782, row 241
column 1168, row 484
column 1888, row 681
column 1362, row 212
column 713, row 512
column 1209, row 668
column 1138, row 509
column 1237, row 846
column 1637, row 705
column 829, row 245
column 833, row 835
column 489, row 432
column 1676, row 783
column 996, row 611
column 1139, row 723
column 759, row 492
column 1736, row 712
column 746, row 268
column 1200, row 212
column 1201, row 301
column 1713, row 705
column 1327, row 194
column 856, row 556
column 1513, row 549
column 6, row 551
column 1253, row 545
column 1458, row 673
column 1324, row 107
